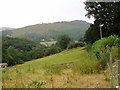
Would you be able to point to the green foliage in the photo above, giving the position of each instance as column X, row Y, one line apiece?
column 86, row 67
column 92, row 34
column 88, row 46
column 52, row 50
column 101, row 48
column 104, row 43
column 63, row 41
column 106, row 14
column 17, row 51
column 37, row 52
column 75, row 44
column 21, row 44
column 79, row 44
column 13, row 56
column 71, row 45
column 38, row 84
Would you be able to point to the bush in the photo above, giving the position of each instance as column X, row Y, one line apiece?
column 52, row 50
column 75, row 44
column 88, row 47
column 63, row 41
column 101, row 48
column 79, row 44
column 71, row 45
column 37, row 52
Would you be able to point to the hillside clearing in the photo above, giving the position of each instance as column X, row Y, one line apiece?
column 48, row 43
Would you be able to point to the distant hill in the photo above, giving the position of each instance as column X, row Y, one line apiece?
column 47, row 31
column 7, row 31
column 5, row 28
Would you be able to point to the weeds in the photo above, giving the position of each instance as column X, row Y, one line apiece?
column 38, row 84
column 87, row 67
column 53, row 70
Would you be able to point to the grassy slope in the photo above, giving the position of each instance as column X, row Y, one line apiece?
column 40, row 28
column 22, row 75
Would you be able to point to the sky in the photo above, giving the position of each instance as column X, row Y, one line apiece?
column 20, row 13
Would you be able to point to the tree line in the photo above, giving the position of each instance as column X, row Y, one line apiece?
column 107, row 18
column 19, row 50
column 103, row 36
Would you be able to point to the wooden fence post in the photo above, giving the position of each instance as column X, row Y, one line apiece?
column 110, row 65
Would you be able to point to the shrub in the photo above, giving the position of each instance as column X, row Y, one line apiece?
column 63, row 41
column 88, row 47
column 71, row 45
column 75, row 44
column 79, row 44
column 52, row 50
column 101, row 48
column 37, row 52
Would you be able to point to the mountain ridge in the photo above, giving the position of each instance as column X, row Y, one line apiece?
column 75, row 29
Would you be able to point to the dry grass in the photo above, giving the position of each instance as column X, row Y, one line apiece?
column 70, row 80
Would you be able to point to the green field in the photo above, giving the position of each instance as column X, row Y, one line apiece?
column 48, row 43
column 68, row 69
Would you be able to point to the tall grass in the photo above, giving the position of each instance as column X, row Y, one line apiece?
column 87, row 67
column 43, row 69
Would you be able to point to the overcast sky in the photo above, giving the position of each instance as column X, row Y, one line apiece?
column 20, row 13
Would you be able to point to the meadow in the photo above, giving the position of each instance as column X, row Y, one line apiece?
column 49, row 43
column 68, row 69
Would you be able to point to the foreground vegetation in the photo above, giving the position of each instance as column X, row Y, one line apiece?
column 70, row 65
column 70, row 68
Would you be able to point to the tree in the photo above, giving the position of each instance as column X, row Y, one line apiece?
column 52, row 50
column 106, row 13
column 37, row 52
column 16, row 50
column 63, row 41
column 92, row 34
column 13, row 56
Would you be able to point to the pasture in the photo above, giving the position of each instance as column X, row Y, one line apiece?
column 68, row 69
